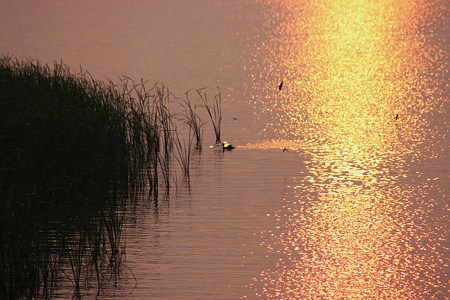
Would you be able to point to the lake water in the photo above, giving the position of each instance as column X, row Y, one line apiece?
column 357, row 208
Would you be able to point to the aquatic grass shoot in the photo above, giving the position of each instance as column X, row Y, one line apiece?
column 214, row 111
column 193, row 120
column 184, row 149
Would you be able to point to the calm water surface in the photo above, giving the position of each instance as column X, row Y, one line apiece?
column 358, row 208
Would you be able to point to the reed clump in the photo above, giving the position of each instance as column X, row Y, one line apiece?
column 66, row 160
column 74, row 152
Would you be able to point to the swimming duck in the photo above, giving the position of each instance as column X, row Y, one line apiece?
column 226, row 146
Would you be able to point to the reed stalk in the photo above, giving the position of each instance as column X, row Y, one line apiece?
column 214, row 111
column 184, row 149
column 192, row 119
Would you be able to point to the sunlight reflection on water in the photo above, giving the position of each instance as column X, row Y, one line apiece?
column 364, row 83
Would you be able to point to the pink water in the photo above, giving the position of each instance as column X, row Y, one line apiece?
column 358, row 208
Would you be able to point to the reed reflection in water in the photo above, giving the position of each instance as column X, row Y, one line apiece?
column 365, row 95
column 54, row 253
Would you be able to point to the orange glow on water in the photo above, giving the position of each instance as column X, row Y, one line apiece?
column 349, row 68
column 357, row 94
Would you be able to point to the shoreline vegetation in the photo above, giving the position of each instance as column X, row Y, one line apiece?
column 75, row 153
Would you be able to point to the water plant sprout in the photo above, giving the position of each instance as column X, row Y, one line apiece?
column 214, row 111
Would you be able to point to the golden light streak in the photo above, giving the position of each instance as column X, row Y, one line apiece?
column 356, row 96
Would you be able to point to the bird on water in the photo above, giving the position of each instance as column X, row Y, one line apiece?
column 226, row 146
column 281, row 85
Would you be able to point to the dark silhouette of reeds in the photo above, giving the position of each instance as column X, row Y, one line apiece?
column 66, row 168
column 74, row 154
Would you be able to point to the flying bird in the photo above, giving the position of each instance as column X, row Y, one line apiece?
column 396, row 117
column 281, row 85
